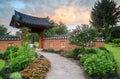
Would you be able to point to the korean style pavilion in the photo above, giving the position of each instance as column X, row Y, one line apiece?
column 35, row 24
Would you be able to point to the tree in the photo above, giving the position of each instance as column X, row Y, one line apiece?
column 18, row 33
column 57, row 29
column 105, row 14
column 25, row 36
column 85, row 36
column 3, row 30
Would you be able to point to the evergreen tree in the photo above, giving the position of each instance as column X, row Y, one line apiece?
column 105, row 14
column 3, row 30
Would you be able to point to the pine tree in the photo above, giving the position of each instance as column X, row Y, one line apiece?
column 105, row 14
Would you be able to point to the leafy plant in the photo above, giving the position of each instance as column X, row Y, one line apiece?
column 11, row 49
column 116, row 41
column 16, row 75
column 67, row 53
column 50, row 50
column 2, row 64
column 85, row 36
column 25, row 56
column 99, row 64
column 90, row 51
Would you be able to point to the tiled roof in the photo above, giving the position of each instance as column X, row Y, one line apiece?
column 57, row 36
column 9, row 38
column 100, row 39
column 67, row 36
column 20, row 17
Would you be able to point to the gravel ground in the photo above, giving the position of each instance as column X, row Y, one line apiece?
column 62, row 68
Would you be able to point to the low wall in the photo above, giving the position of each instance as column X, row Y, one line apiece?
column 5, row 44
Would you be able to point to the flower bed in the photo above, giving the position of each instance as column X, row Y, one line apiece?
column 37, row 69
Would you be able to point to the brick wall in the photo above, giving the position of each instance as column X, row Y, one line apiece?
column 57, row 44
column 5, row 44
column 67, row 46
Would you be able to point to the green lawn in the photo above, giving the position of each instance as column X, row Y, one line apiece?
column 2, row 63
column 116, row 52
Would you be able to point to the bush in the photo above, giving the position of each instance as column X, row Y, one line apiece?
column 11, row 49
column 2, row 64
column 23, row 58
column 50, row 50
column 67, row 53
column 103, row 48
column 99, row 64
column 0, row 77
column 116, row 41
column 91, row 51
column 37, row 69
column 78, row 51
column 16, row 75
column 83, row 59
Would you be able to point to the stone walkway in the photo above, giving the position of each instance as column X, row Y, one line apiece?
column 62, row 68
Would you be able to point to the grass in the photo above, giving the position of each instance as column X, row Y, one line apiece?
column 116, row 52
column 2, row 63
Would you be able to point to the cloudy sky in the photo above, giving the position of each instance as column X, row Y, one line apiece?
column 70, row 12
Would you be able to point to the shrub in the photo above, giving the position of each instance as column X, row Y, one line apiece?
column 23, row 58
column 91, row 51
column 0, row 77
column 102, row 48
column 83, row 59
column 99, row 64
column 16, row 75
column 2, row 64
column 11, row 49
column 5, row 72
column 78, row 51
column 40, row 66
column 116, row 41
column 67, row 53
column 50, row 50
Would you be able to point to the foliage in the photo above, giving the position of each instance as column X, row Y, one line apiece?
column 22, row 58
column 56, row 30
column 5, row 72
column 3, row 30
column 104, row 15
column 99, row 64
column 18, row 33
column 116, row 41
column 34, row 37
column 25, row 35
column 50, row 50
column 83, row 59
column 11, row 49
column 67, row 53
column 91, row 51
column 102, row 48
column 16, row 75
column 2, row 64
column 115, row 32
column 85, row 36
column 78, row 51
column 0, row 77
column 40, row 66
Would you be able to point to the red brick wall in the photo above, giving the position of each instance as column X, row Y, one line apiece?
column 99, row 44
column 4, row 44
column 57, row 44
column 68, row 46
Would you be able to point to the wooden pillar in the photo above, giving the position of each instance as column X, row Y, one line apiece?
column 40, row 40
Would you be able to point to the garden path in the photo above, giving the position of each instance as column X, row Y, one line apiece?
column 62, row 68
